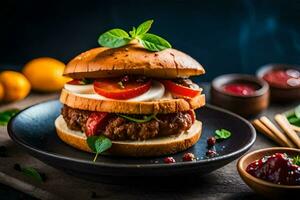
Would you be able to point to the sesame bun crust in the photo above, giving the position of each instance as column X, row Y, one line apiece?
column 151, row 147
column 133, row 59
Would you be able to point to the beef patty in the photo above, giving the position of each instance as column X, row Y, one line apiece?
column 119, row 128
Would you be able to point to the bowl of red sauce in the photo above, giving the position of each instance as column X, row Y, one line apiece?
column 284, row 81
column 272, row 172
column 243, row 94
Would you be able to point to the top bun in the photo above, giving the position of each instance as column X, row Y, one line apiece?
column 105, row 62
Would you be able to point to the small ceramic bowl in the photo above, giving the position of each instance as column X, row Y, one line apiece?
column 267, row 189
column 242, row 105
column 279, row 94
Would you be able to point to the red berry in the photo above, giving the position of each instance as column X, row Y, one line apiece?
column 125, row 79
column 211, row 153
column 211, row 141
column 169, row 160
column 188, row 157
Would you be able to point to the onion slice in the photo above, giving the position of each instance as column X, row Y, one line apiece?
column 80, row 89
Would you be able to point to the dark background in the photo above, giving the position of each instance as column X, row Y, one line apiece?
column 225, row 36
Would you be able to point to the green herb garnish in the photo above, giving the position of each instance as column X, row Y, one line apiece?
column 294, row 118
column 145, row 118
column 32, row 172
column 98, row 144
column 296, row 160
column 222, row 134
column 5, row 116
column 115, row 38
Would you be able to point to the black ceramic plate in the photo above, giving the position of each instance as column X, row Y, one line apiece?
column 34, row 130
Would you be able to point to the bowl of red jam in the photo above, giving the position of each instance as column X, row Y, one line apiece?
column 272, row 172
column 243, row 94
column 284, row 81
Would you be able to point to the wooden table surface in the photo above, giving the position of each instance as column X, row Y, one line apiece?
column 224, row 183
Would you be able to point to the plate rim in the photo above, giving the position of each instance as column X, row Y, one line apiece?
column 123, row 165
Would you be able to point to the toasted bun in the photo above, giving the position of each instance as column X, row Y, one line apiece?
column 105, row 62
column 152, row 147
column 118, row 106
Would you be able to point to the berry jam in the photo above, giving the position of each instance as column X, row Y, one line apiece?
column 277, row 168
column 283, row 78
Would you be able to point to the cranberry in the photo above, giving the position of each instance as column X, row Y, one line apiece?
column 188, row 157
column 211, row 153
column 169, row 160
column 277, row 168
column 211, row 141
column 125, row 79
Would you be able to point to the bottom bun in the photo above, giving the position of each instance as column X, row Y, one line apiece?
column 152, row 147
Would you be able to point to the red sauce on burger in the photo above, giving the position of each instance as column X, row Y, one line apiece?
column 240, row 89
column 283, row 78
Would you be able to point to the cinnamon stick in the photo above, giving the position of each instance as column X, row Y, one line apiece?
column 285, row 125
column 267, row 132
column 277, row 132
column 296, row 128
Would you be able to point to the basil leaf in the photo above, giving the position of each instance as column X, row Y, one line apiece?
column 294, row 120
column 33, row 173
column 133, row 32
column 101, row 145
column 146, row 118
column 296, row 160
column 143, row 28
column 5, row 116
column 222, row 134
column 153, row 42
column 91, row 142
column 297, row 112
column 98, row 144
column 114, row 38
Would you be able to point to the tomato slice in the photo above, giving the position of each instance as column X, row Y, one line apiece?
column 116, row 89
column 180, row 90
column 94, row 123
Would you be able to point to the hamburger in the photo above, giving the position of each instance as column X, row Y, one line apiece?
column 141, row 101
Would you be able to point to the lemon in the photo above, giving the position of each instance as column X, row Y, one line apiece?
column 1, row 91
column 45, row 74
column 15, row 84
